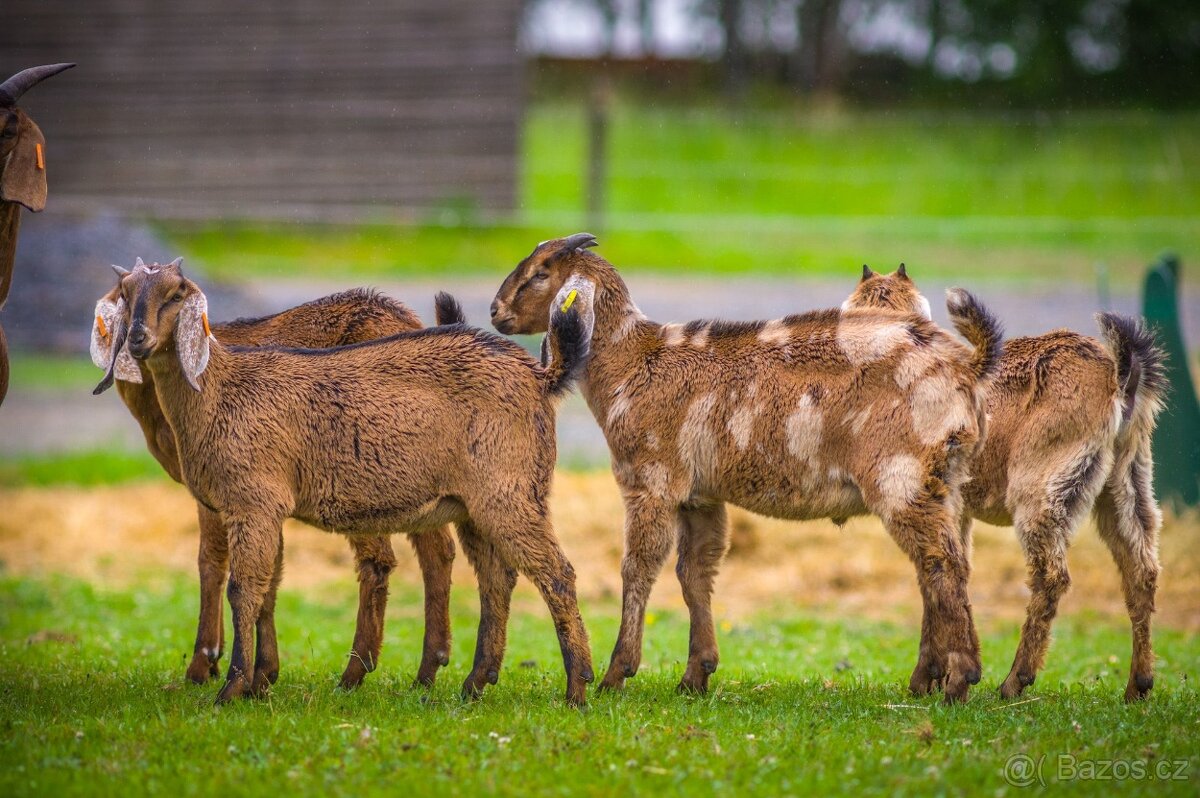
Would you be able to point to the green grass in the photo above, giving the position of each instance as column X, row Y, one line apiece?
column 801, row 704
column 704, row 190
column 53, row 372
column 109, row 466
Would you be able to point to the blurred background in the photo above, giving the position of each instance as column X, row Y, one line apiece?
column 736, row 158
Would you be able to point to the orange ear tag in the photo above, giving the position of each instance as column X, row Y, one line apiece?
column 41, row 156
column 204, row 318
column 100, row 327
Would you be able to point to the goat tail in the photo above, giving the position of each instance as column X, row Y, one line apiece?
column 1141, row 367
column 447, row 310
column 977, row 324
column 568, row 342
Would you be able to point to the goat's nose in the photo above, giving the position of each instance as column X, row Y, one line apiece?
column 495, row 307
column 137, row 336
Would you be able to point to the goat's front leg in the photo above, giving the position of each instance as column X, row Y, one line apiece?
column 703, row 538
column 435, row 554
column 253, row 548
column 266, row 646
column 375, row 560
column 213, row 562
column 648, row 526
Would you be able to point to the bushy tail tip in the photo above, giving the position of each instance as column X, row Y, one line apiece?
column 977, row 324
column 447, row 310
column 1141, row 363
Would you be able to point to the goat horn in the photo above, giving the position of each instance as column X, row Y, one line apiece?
column 580, row 241
column 12, row 89
column 120, row 270
column 118, row 342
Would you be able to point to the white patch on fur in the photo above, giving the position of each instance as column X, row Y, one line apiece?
column 585, row 301
column 911, row 368
column 697, row 444
column 112, row 314
column 899, row 480
column 191, row 342
column 775, row 333
column 804, row 430
column 864, row 340
column 632, row 315
column 656, row 478
column 616, row 409
column 652, row 441
column 741, row 426
column 700, row 339
column 859, row 419
column 923, row 307
column 672, row 334
column 937, row 409
column 847, row 305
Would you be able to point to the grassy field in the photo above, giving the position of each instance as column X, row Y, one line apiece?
column 95, row 704
column 705, row 190
column 817, row 626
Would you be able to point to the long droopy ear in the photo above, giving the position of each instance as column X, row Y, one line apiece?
column 191, row 337
column 24, row 179
column 110, row 316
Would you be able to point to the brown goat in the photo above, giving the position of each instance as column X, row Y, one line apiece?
column 1069, row 426
column 825, row 414
column 336, row 320
column 403, row 434
column 22, row 178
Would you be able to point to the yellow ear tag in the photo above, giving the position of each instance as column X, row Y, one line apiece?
column 100, row 326
column 41, row 157
column 204, row 318
column 570, row 300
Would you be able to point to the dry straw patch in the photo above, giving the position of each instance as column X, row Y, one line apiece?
column 117, row 535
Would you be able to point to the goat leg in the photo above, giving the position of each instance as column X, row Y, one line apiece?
column 213, row 563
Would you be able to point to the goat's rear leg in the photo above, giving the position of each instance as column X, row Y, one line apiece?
column 527, row 542
column 253, row 548
column 703, row 538
column 927, row 677
column 1129, row 521
column 213, row 564
column 435, row 553
column 648, row 526
column 1046, row 555
column 374, row 560
column 496, row 583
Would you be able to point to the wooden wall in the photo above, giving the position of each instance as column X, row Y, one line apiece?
column 276, row 108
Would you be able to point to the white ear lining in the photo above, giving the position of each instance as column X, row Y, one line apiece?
column 192, row 336
column 109, row 315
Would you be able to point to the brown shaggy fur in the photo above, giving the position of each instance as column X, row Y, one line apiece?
column 404, row 434
column 825, row 414
column 336, row 320
column 1069, row 426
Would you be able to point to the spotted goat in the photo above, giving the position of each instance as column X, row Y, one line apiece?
column 829, row 414
column 401, row 434
column 1069, row 430
column 336, row 320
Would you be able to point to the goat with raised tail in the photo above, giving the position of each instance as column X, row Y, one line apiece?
column 22, row 178
column 344, row 318
column 402, row 434
column 822, row 415
column 1070, row 420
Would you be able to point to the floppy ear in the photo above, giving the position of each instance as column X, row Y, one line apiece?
column 24, row 179
column 191, row 337
column 109, row 317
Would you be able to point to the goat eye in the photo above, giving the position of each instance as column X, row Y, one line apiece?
column 540, row 276
column 178, row 297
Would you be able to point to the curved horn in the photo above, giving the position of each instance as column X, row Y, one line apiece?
column 580, row 241
column 12, row 89
column 121, row 271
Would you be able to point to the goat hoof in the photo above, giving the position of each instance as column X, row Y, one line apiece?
column 612, row 682
column 353, row 676
column 235, row 687
column 692, row 687
column 262, row 683
column 577, row 695
column 1139, row 688
column 956, row 690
